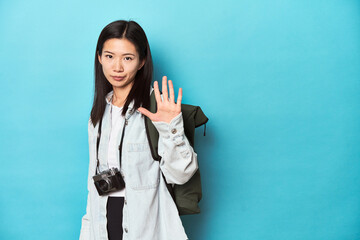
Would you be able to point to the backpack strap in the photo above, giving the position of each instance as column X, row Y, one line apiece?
column 151, row 131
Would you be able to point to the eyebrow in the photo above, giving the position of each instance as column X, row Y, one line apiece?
column 123, row 54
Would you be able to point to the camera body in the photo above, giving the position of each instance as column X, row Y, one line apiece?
column 108, row 181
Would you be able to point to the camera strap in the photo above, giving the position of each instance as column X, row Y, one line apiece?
column 121, row 141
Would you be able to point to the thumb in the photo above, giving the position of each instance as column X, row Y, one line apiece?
column 146, row 112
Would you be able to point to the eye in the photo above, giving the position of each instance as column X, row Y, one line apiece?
column 108, row 56
column 128, row 58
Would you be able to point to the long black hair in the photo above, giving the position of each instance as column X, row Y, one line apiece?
column 140, row 91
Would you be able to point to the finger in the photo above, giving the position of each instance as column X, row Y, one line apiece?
column 157, row 92
column 171, row 89
column 146, row 112
column 179, row 98
column 164, row 88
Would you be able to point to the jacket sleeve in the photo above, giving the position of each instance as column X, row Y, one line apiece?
column 178, row 159
column 85, row 221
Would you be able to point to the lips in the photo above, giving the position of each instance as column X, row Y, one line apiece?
column 117, row 78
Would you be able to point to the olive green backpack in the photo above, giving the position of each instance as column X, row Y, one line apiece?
column 188, row 195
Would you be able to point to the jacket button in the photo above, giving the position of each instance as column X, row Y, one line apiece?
column 126, row 230
column 173, row 131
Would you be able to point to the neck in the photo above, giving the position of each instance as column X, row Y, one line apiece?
column 120, row 95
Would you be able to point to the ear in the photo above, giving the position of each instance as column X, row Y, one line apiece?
column 142, row 64
column 99, row 57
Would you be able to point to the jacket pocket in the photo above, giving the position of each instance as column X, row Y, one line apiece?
column 143, row 172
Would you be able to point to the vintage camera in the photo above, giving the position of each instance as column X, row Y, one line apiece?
column 108, row 181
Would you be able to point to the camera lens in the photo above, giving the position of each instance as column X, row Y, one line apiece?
column 104, row 185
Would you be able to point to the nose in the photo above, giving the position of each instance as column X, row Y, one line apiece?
column 118, row 67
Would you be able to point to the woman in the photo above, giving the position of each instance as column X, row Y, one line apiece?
column 144, row 208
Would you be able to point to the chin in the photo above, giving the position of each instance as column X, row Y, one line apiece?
column 122, row 84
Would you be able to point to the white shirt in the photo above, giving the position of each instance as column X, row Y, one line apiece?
column 117, row 124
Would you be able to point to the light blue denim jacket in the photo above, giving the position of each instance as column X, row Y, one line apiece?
column 149, row 211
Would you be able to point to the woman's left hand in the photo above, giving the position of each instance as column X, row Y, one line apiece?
column 167, row 109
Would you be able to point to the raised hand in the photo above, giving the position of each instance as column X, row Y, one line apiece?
column 167, row 109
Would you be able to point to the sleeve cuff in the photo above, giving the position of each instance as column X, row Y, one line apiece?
column 173, row 129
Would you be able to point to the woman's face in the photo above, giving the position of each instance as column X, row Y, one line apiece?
column 119, row 58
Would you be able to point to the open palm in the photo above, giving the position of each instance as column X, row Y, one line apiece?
column 167, row 109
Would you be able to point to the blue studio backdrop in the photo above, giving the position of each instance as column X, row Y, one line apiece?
column 279, row 81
